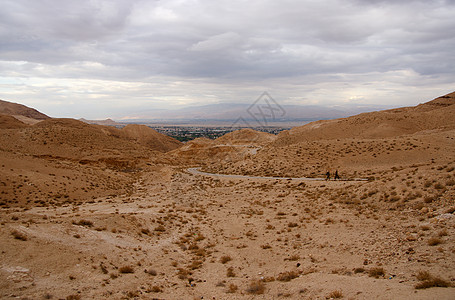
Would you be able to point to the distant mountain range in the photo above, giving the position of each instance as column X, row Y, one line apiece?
column 272, row 113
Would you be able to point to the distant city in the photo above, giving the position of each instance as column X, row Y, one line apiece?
column 188, row 133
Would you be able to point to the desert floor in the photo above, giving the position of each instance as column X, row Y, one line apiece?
column 180, row 235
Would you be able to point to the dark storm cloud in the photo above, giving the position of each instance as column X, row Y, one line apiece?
column 231, row 39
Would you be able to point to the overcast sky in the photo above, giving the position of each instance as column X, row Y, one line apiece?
column 111, row 58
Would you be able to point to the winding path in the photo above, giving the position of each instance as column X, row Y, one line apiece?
column 196, row 171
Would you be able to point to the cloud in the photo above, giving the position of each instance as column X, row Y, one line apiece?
column 176, row 51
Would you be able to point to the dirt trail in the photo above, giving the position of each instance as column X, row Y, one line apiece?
column 197, row 171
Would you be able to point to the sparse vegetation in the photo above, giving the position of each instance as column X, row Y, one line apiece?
column 376, row 272
column 230, row 272
column 256, row 287
column 126, row 269
column 224, row 259
column 18, row 235
column 434, row 241
column 160, row 228
column 156, row 289
column 288, row 276
column 335, row 295
column 83, row 222
column 232, row 288
column 427, row 281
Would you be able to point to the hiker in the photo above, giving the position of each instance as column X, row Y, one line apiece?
column 336, row 175
column 328, row 175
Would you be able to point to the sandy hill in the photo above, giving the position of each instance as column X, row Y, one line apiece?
column 14, row 109
column 10, row 122
column 235, row 145
column 383, row 139
column 246, row 136
column 436, row 114
column 107, row 122
column 65, row 160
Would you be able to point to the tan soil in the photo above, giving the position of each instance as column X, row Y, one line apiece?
column 93, row 215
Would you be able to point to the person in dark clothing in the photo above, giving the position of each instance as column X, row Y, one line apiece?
column 336, row 175
column 328, row 175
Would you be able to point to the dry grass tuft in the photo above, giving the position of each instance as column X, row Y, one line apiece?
column 83, row 222
column 225, row 259
column 18, row 235
column 287, row 276
column 434, row 241
column 232, row 288
column 427, row 281
column 256, row 288
column 156, row 289
column 359, row 270
column 376, row 272
column 335, row 295
column 160, row 228
column 126, row 270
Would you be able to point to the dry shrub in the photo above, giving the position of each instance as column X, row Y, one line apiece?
column 423, row 275
column 232, row 288
column 126, row 270
column 156, row 289
column 230, row 272
column 376, row 272
column 425, row 227
column 18, row 235
column 443, row 232
column 287, row 276
column 434, row 241
column 359, row 270
column 439, row 186
column 195, row 264
column 133, row 294
column 145, row 231
column 83, row 223
column 256, row 288
column 294, row 257
column 335, row 294
column 160, row 228
column 225, row 259
column 200, row 237
column 427, row 281
column 183, row 273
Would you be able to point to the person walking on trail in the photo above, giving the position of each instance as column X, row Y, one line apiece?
column 336, row 175
column 328, row 175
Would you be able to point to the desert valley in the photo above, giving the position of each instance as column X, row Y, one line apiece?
column 97, row 212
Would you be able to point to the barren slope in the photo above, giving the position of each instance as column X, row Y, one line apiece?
column 14, row 109
column 64, row 160
column 436, row 114
column 354, row 145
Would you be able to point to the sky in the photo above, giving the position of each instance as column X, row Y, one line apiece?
column 113, row 58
